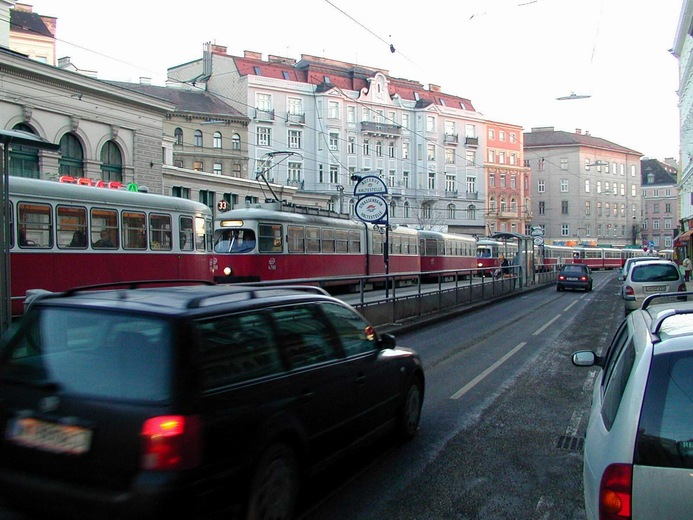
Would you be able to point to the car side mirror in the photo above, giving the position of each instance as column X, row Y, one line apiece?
column 388, row 341
column 585, row 358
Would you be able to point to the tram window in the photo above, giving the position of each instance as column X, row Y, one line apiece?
column 11, row 225
column 104, row 228
column 201, row 236
column 186, row 233
column 235, row 241
column 341, row 240
column 327, row 244
column 312, row 240
column 297, row 238
column 377, row 243
column 72, row 227
column 134, row 230
column 160, row 231
column 354, row 242
column 209, row 233
column 270, row 236
column 35, row 225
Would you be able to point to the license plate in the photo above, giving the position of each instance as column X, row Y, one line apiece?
column 656, row 288
column 572, row 279
column 47, row 436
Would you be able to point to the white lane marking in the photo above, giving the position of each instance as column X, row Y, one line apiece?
column 574, row 424
column 546, row 325
column 569, row 306
column 486, row 372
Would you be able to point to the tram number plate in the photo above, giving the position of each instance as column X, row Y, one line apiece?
column 655, row 288
column 47, row 436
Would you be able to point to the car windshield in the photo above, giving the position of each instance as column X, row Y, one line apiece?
column 655, row 273
column 97, row 353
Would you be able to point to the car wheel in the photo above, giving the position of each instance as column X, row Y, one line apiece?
column 410, row 411
column 274, row 486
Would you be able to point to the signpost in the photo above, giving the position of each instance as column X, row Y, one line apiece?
column 372, row 207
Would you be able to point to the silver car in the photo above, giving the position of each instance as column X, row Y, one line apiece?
column 638, row 450
column 646, row 278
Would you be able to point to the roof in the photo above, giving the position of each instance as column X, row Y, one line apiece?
column 663, row 173
column 28, row 22
column 194, row 101
column 330, row 74
column 550, row 138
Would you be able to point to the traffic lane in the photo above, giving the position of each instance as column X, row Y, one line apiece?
column 515, row 451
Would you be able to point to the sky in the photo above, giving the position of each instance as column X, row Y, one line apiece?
column 511, row 58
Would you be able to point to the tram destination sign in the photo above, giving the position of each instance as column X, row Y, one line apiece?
column 370, row 185
column 372, row 208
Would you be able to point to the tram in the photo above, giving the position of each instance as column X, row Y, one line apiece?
column 76, row 232
column 276, row 241
column 446, row 251
column 489, row 252
column 599, row 257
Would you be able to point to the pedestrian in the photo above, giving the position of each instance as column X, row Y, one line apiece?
column 687, row 266
column 505, row 266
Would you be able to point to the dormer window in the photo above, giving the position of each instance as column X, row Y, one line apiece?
column 416, row 96
column 327, row 79
column 285, row 74
column 257, row 70
column 441, row 101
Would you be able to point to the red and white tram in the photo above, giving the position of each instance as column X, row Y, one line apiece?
column 599, row 257
column 273, row 241
column 489, row 251
column 442, row 251
column 68, row 234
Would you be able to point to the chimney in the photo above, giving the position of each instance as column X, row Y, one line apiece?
column 145, row 80
column 252, row 55
column 433, row 88
column 218, row 49
column 578, row 131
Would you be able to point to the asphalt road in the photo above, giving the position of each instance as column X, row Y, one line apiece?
column 503, row 422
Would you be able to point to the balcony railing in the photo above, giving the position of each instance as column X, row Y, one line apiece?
column 451, row 138
column 370, row 127
column 474, row 195
column 264, row 115
column 296, row 119
column 471, row 141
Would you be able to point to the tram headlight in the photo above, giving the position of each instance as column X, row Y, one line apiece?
column 227, row 271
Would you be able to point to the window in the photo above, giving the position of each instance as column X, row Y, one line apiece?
column 270, row 238
column 565, row 230
column 72, row 227
column 134, row 230
column 351, row 144
column 541, row 186
column 198, row 138
column 71, row 162
column 216, row 141
column 431, row 152
column 366, row 147
column 294, row 139
column 379, row 148
column 431, row 180
column 235, row 142
column 405, row 121
column 471, row 185
column 263, row 102
column 217, row 168
column 450, row 183
column 564, row 185
column 449, row 156
column 564, row 207
column 587, row 185
column 333, row 110
column 542, row 207
column 351, row 114
column 405, row 150
column 178, row 136
column 587, row 207
column 160, row 231
column 294, row 106
column 198, row 166
column 111, row 162
column 564, row 163
column 264, row 136
column 430, row 124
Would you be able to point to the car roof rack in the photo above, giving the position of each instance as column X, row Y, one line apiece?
column 254, row 292
column 657, row 323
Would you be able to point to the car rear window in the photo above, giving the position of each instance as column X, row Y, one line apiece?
column 665, row 435
column 95, row 353
column 655, row 273
column 577, row 269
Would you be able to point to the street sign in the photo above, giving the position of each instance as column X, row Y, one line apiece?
column 372, row 208
column 370, row 185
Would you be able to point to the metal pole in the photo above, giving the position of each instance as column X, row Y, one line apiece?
column 5, row 287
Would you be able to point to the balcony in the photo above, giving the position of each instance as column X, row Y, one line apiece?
column 451, row 139
column 472, row 195
column 380, row 129
column 451, row 193
column 295, row 119
column 264, row 115
column 471, row 141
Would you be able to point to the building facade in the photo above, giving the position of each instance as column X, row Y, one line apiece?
column 508, row 180
column 660, row 197
column 587, row 190
column 320, row 124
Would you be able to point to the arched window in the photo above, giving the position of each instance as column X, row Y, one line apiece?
column 178, row 134
column 198, row 137
column 71, row 156
column 503, row 204
column 393, row 209
column 407, row 209
column 471, row 212
column 492, row 204
column 426, row 210
column 513, row 205
column 217, row 140
column 24, row 160
column 111, row 162
column 235, row 142
column 451, row 211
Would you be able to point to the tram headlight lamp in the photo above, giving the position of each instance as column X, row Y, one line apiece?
column 227, row 271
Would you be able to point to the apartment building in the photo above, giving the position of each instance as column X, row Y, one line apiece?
column 319, row 124
column 660, row 197
column 586, row 190
column 508, row 197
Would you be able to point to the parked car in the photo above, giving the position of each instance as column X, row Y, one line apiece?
column 574, row 276
column 630, row 262
column 638, row 453
column 646, row 278
column 157, row 402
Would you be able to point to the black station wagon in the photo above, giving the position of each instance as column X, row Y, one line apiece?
column 151, row 401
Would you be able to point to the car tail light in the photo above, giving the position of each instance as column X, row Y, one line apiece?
column 561, row 277
column 615, row 492
column 583, row 278
column 682, row 288
column 171, row 442
column 629, row 291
